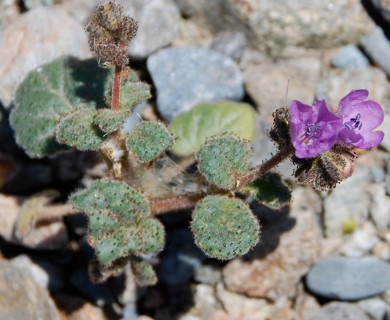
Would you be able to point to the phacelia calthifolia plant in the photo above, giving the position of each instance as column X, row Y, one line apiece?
column 75, row 104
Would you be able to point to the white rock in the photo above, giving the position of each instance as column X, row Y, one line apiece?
column 24, row 264
column 375, row 308
column 35, row 38
column 360, row 242
column 380, row 206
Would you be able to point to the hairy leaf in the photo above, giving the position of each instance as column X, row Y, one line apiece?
column 133, row 92
column 120, row 224
column 224, row 159
column 77, row 129
column 224, row 227
column 51, row 91
column 149, row 140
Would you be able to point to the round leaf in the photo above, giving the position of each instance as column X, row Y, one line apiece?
column 205, row 120
column 224, row 227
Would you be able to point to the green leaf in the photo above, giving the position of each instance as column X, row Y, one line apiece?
column 205, row 120
column 224, row 227
column 133, row 92
column 51, row 91
column 149, row 140
column 269, row 190
column 77, row 129
column 224, row 159
column 120, row 224
column 143, row 272
column 110, row 120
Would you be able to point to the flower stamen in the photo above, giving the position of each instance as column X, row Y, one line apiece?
column 354, row 123
column 311, row 133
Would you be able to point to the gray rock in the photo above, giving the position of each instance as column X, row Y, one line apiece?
column 342, row 206
column 338, row 311
column 35, row 38
column 185, row 77
column 273, row 26
column 350, row 57
column 230, row 43
column 377, row 47
column 22, row 298
column 349, row 278
column 375, row 308
column 158, row 21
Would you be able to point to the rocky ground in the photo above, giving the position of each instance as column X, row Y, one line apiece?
column 326, row 257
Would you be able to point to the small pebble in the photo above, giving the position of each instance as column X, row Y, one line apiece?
column 375, row 308
column 349, row 279
column 350, row 57
column 338, row 311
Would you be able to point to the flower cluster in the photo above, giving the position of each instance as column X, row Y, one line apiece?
column 315, row 129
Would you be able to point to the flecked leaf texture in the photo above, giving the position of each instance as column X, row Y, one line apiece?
column 224, row 227
column 133, row 92
column 149, row 140
column 50, row 91
column 143, row 272
column 222, row 160
column 77, row 129
column 269, row 190
column 120, row 224
column 193, row 127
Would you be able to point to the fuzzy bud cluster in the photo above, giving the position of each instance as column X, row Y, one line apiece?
column 110, row 32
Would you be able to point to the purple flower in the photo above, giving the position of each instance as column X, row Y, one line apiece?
column 360, row 117
column 313, row 129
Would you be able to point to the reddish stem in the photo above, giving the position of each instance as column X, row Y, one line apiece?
column 116, row 88
column 264, row 167
column 162, row 206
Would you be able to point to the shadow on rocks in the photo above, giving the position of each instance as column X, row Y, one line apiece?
column 273, row 224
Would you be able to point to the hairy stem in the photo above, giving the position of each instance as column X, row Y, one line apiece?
column 166, row 205
column 116, row 88
column 264, row 167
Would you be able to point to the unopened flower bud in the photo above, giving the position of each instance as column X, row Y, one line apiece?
column 326, row 170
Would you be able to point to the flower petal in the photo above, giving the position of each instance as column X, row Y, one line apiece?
column 370, row 140
column 350, row 137
column 324, row 114
column 300, row 112
column 352, row 98
column 371, row 115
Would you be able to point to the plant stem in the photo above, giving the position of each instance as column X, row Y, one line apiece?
column 264, row 167
column 166, row 205
column 116, row 88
